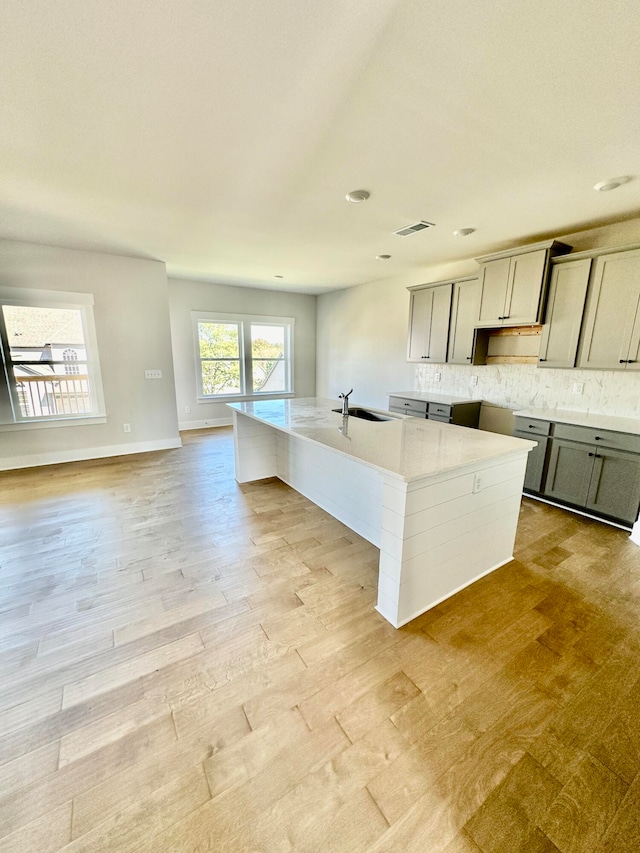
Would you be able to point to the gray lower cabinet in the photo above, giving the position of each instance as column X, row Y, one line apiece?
column 601, row 479
column 535, row 430
column 464, row 413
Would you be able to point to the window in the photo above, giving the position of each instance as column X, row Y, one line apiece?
column 242, row 356
column 49, row 365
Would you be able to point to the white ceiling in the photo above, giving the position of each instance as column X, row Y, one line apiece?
column 221, row 135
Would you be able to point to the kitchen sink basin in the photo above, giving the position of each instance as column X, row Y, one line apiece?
column 365, row 414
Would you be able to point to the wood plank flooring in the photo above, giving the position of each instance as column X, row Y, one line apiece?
column 190, row 665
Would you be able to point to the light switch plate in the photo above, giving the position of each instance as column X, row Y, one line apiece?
column 437, row 377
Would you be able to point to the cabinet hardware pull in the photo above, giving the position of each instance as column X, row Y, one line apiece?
column 630, row 361
column 507, row 317
column 598, row 438
column 468, row 358
column 598, row 455
column 592, row 454
column 542, row 359
column 531, row 426
column 622, row 361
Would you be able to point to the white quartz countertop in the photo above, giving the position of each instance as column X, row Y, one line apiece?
column 629, row 425
column 429, row 397
column 406, row 447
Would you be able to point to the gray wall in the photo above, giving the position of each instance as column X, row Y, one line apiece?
column 186, row 296
column 132, row 326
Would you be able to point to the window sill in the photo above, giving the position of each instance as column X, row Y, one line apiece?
column 54, row 423
column 244, row 398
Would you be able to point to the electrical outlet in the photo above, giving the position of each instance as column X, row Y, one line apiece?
column 477, row 483
column 187, row 410
column 153, row 374
column 474, row 380
column 126, row 427
column 578, row 387
column 437, row 377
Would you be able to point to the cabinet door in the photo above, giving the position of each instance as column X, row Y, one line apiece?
column 429, row 323
column 611, row 313
column 569, row 474
column 535, row 462
column 494, row 278
column 524, row 290
column 615, row 485
column 565, row 307
column 633, row 355
column 464, row 313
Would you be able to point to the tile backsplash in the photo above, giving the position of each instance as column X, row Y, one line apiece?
column 523, row 386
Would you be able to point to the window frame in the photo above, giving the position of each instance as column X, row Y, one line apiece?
column 244, row 323
column 10, row 415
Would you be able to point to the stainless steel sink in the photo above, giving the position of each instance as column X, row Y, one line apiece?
column 365, row 414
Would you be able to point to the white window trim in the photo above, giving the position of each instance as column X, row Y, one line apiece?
column 82, row 302
column 245, row 321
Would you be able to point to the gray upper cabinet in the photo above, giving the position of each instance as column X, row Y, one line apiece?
column 565, row 308
column 429, row 323
column 513, row 285
column 464, row 313
column 612, row 326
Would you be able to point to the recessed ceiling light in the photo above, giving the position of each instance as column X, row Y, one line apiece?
column 611, row 184
column 278, row 276
column 382, row 257
column 463, row 232
column 357, row 196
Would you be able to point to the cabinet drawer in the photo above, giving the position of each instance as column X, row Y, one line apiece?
column 439, row 409
column 444, row 419
column 401, row 410
column 529, row 426
column 602, row 437
column 401, row 404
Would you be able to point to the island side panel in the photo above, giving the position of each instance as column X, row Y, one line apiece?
column 254, row 445
column 345, row 488
column 441, row 535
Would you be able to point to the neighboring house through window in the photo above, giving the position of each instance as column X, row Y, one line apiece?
column 243, row 356
column 49, row 366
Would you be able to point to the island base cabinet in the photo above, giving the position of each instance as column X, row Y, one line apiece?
column 436, row 534
column 426, row 554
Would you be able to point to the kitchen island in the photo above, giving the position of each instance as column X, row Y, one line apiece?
column 441, row 502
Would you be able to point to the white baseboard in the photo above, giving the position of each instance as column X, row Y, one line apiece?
column 183, row 426
column 34, row 460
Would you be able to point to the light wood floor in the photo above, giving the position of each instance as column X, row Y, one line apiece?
column 189, row 665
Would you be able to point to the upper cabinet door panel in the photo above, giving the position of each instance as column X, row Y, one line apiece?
column 440, row 323
column 420, row 324
column 494, row 279
column 429, row 324
column 524, row 290
column 611, row 314
column 464, row 314
column 565, row 307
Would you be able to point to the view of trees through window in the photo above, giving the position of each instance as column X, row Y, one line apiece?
column 221, row 350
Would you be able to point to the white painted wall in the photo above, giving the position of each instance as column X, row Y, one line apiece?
column 132, row 327
column 362, row 337
column 186, row 296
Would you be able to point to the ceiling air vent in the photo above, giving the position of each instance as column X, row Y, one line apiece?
column 413, row 229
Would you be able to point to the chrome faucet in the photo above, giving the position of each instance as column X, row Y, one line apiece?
column 345, row 402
